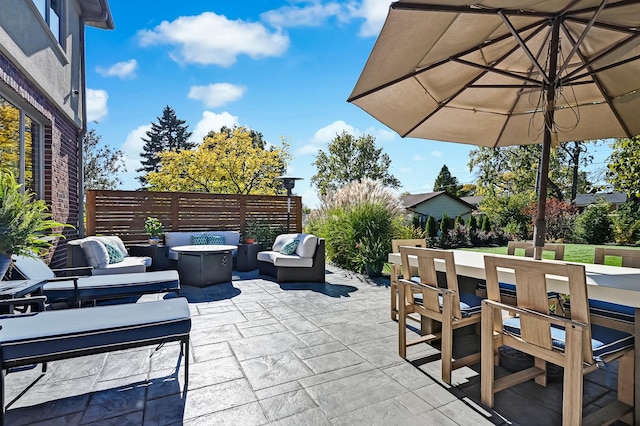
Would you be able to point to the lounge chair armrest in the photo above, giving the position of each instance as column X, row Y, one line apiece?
column 76, row 271
column 24, row 301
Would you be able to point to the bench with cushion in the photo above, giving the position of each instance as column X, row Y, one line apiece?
column 55, row 335
column 106, row 255
column 294, row 257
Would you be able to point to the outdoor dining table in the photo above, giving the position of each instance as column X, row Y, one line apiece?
column 613, row 284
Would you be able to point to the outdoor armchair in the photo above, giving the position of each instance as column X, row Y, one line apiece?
column 396, row 272
column 572, row 343
column 421, row 295
column 77, row 289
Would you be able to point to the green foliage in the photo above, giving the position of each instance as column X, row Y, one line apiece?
column 486, row 224
column 473, row 223
column 351, row 159
column 624, row 166
column 559, row 217
column 594, row 226
column 153, row 227
column 264, row 232
column 371, row 251
column 508, row 212
column 459, row 220
column 445, row 182
column 626, row 223
column 101, row 164
column 168, row 134
column 25, row 222
column 432, row 227
column 359, row 213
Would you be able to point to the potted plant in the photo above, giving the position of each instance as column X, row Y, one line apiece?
column 371, row 255
column 153, row 228
column 25, row 222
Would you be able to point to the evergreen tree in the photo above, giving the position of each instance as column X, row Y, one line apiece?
column 168, row 134
column 473, row 223
column 459, row 220
column 446, row 182
column 432, row 228
column 486, row 225
column 445, row 223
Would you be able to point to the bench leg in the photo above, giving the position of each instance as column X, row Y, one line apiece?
column 185, row 351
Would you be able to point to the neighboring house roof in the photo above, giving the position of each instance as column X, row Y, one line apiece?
column 410, row 201
column 583, row 200
column 474, row 200
column 97, row 13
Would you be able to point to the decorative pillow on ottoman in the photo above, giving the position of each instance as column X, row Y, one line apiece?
column 289, row 247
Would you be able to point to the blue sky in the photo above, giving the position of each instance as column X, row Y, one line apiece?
column 282, row 68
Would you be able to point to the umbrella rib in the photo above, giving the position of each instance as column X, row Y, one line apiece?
column 573, row 80
column 523, row 46
column 578, row 42
column 400, row 5
column 600, row 87
column 497, row 71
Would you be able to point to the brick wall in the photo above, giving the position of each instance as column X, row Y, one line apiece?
column 60, row 154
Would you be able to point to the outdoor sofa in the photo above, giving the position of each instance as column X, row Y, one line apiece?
column 55, row 335
column 78, row 289
column 188, row 238
column 107, row 255
column 306, row 263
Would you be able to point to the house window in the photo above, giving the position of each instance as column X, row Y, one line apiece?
column 51, row 11
column 21, row 145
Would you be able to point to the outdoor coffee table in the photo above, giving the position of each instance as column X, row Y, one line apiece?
column 203, row 265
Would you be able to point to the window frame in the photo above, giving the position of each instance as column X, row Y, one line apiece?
column 37, row 142
column 45, row 15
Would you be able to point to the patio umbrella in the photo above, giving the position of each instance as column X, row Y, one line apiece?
column 507, row 72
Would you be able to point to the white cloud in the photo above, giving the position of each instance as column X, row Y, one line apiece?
column 312, row 14
column 437, row 154
column 212, row 121
column 121, row 70
column 417, row 157
column 209, row 38
column 324, row 135
column 218, row 94
column 374, row 13
column 97, row 104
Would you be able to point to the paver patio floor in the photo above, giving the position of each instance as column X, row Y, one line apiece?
column 279, row 354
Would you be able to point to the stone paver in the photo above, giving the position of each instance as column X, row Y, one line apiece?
column 264, row 353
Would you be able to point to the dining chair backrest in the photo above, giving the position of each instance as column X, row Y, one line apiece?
column 427, row 275
column 413, row 242
column 532, row 294
column 557, row 249
column 630, row 257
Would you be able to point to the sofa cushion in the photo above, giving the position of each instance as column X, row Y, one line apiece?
column 289, row 247
column 307, row 246
column 129, row 265
column 279, row 259
column 281, row 240
column 114, row 240
column 95, row 252
column 179, row 238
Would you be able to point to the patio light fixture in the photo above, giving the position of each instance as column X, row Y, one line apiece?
column 289, row 182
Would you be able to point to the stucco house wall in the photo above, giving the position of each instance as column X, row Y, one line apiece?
column 440, row 205
column 45, row 79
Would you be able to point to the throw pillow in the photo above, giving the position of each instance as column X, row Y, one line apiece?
column 199, row 240
column 215, row 239
column 115, row 256
column 289, row 247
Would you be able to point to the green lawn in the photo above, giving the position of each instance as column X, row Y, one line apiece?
column 582, row 253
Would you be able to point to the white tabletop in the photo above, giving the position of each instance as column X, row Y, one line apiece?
column 609, row 283
column 207, row 248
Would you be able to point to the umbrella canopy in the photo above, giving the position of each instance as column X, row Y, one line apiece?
column 506, row 72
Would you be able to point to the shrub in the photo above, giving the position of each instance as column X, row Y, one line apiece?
column 361, row 214
column 459, row 220
column 626, row 223
column 486, row 224
column 473, row 223
column 432, row 227
column 508, row 211
column 445, row 224
column 559, row 216
column 594, row 226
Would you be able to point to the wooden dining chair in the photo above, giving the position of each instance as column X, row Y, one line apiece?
column 396, row 270
column 421, row 294
column 572, row 343
column 613, row 315
column 508, row 291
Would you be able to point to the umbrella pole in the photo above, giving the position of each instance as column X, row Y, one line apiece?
column 540, row 227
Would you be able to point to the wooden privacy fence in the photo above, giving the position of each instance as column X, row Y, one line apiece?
column 123, row 213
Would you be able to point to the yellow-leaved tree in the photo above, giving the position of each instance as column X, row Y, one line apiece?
column 226, row 162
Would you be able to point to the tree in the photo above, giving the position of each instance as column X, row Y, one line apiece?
column 169, row 134
column 350, row 159
column 624, row 166
column 446, row 182
column 101, row 164
column 228, row 163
